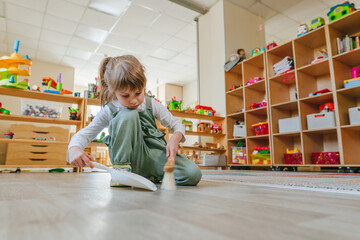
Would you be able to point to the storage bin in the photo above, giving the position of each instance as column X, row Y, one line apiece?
column 326, row 157
column 293, row 158
column 212, row 160
column 261, row 128
column 289, row 125
column 320, row 120
column 260, row 158
column 239, row 131
column 354, row 115
column 239, row 155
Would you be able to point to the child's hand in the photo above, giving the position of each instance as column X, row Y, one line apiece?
column 79, row 158
column 172, row 146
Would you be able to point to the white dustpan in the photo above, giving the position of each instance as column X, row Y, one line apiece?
column 127, row 178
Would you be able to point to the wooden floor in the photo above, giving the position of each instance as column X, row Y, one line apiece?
column 82, row 206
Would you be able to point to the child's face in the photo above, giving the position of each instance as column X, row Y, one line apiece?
column 130, row 99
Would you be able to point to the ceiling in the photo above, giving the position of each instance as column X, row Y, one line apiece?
column 160, row 33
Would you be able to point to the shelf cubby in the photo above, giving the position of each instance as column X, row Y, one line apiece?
column 283, row 142
column 280, row 91
column 251, row 143
column 230, row 121
column 351, row 135
column 281, row 111
column 255, row 93
column 307, row 47
column 342, row 66
column 347, row 98
column 234, row 77
column 277, row 54
column 254, row 118
column 319, row 141
column 237, row 103
column 254, row 67
column 313, row 78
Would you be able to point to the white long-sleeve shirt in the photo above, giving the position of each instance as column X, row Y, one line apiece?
column 83, row 137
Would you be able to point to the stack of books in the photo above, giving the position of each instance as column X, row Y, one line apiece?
column 284, row 65
column 347, row 43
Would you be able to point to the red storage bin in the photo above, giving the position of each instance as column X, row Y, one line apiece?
column 293, row 158
column 261, row 128
column 326, row 157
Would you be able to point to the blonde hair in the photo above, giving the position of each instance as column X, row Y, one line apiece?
column 122, row 72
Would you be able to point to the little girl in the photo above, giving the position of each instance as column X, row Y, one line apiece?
column 134, row 142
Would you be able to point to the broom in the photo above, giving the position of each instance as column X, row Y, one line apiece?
column 168, row 182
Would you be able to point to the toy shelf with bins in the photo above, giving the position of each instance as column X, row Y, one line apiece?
column 283, row 141
column 46, row 97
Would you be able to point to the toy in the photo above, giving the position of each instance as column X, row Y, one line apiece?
column 9, row 69
column 93, row 89
column 215, row 128
column 326, row 107
column 76, row 94
column 234, row 59
column 203, row 127
column 3, row 110
column 174, row 104
column 263, row 103
column 271, row 45
column 73, row 113
column 204, row 110
column 49, row 82
column 318, row 59
column 355, row 72
column 352, row 82
column 288, row 76
column 261, row 128
column 100, row 140
column 292, row 151
column 253, row 80
column 325, row 90
column 35, row 88
column 316, row 23
column 9, row 135
column 257, row 51
column 302, row 29
column 188, row 125
column 261, row 155
column 340, row 10
column 188, row 110
column 234, row 87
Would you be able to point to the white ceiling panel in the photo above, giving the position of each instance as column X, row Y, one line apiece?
column 74, row 62
column 24, row 15
column 306, row 12
column 80, row 2
column 183, row 59
column 128, row 29
column 143, row 48
column 38, row 5
column 98, row 19
column 51, row 47
column 278, row 23
column 66, row 10
column 112, row 7
column 110, row 51
column 25, row 51
column 188, row 33
column 25, row 41
column 279, row 5
column 55, row 37
column 176, row 44
column 119, row 41
column 243, row 3
column 181, row 13
column 96, row 58
column 192, row 50
column 90, row 33
column 76, row 53
column 48, row 57
column 59, row 24
column 83, row 44
column 168, row 24
column 2, row 24
column 261, row 10
column 23, row 29
column 288, row 33
column 157, row 5
column 154, row 37
column 163, row 53
column 139, row 15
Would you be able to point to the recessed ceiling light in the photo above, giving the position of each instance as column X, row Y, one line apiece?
column 112, row 7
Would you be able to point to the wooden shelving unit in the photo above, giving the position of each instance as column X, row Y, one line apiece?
column 290, row 98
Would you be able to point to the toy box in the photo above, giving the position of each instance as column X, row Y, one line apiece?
column 354, row 115
column 239, row 155
column 260, row 158
column 239, row 130
column 320, row 120
column 212, row 160
column 289, row 125
column 293, row 158
column 261, row 128
column 326, row 157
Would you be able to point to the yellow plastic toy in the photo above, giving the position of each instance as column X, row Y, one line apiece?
column 9, row 69
column 292, row 151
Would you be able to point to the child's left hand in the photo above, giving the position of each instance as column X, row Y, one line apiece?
column 172, row 146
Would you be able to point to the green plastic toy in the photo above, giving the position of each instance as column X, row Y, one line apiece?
column 340, row 11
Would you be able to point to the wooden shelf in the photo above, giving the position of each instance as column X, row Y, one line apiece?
column 258, row 86
column 282, row 50
column 316, row 69
column 235, row 139
column 237, row 68
column 37, row 142
column 14, row 92
column 97, row 144
column 347, row 24
column 258, row 111
column 351, row 58
column 251, row 165
column 290, row 105
column 351, row 127
column 288, row 134
column 258, row 137
column 352, row 91
column 236, row 92
column 36, row 166
column 257, row 60
column 93, row 101
column 321, row 131
column 318, row 99
column 195, row 116
column 202, row 149
column 39, row 119
column 313, row 39
column 204, row 134
column 235, row 115
column 279, row 78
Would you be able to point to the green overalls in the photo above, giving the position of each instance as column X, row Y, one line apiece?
column 135, row 140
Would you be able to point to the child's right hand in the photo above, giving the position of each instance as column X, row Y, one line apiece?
column 79, row 158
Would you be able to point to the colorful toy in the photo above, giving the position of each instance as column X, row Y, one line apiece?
column 188, row 125
column 73, row 113
column 234, row 87
column 189, row 110
column 9, row 69
column 261, row 128
column 49, row 82
column 76, row 94
column 302, row 29
column 271, row 45
column 174, row 104
column 35, row 88
column 257, row 51
column 100, row 140
column 326, row 107
column 253, row 80
column 234, row 59
column 355, row 78
column 215, row 128
column 3, row 110
column 261, row 155
column 93, row 89
column 9, row 135
column 263, row 103
column 318, row 59
column 204, row 110
column 325, row 90
column 316, row 23
column 355, row 72
column 203, row 127
column 292, row 151
column 288, row 76
column 340, row 10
